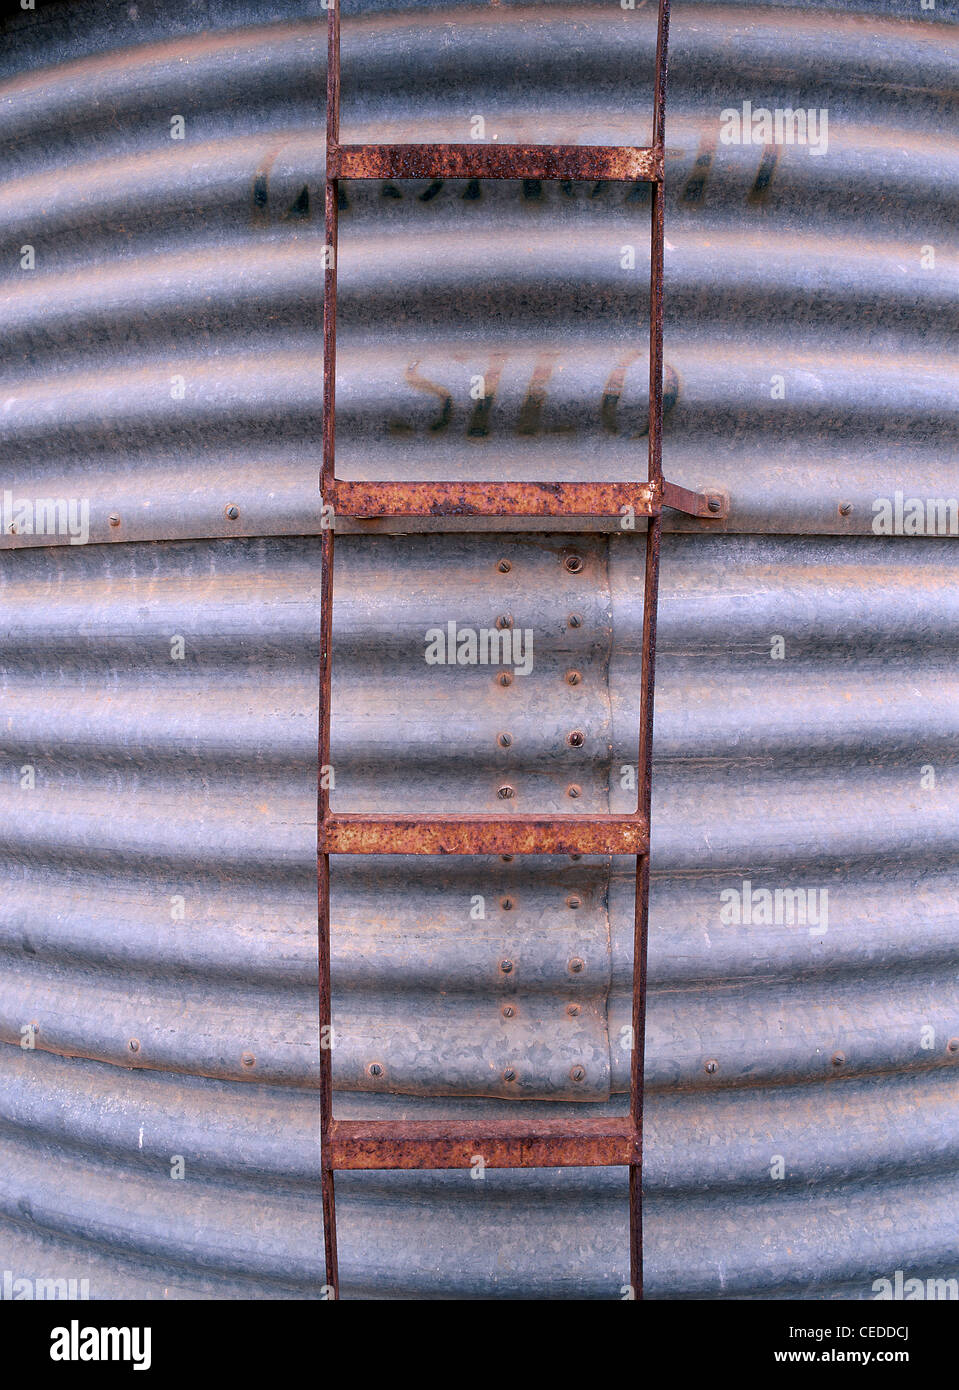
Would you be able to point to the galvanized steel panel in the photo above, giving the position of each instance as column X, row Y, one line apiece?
column 157, row 779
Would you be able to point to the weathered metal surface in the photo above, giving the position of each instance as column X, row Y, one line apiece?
column 194, row 779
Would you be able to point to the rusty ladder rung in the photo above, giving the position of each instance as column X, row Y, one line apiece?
column 632, row 163
column 588, row 1143
column 482, row 834
column 518, row 1142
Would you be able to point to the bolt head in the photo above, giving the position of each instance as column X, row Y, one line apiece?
column 504, row 566
column 574, row 563
column 715, row 504
column 504, row 740
column 375, row 1069
column 506, row 966
column 233, row 511
column 573, row 678
column 576, row 738
column 505, row 678
column 577, row 1073
column 506, row 904
column 509, row 1074
column 839, row 1059
column 952, row 1045
column 506, row 793
column 508, row 1011
column 575, row 620
column 574, row 900
column 134, row 1044
column 248, row 1059
column 573, row 1010
column 114, row 519
column 711, row 1066
column 576, row 966
column 574, row 791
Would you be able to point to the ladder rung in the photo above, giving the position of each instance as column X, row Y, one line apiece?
column 411, row 834
column 361, row 499
column 489, row 161
column 586, row 1143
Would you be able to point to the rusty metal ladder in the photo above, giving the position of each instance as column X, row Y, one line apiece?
column 352, row 1144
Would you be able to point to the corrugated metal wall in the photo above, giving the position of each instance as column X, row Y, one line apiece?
column 157, row 928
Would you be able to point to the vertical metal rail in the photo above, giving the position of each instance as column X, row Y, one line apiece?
column 505, row 1143
column 324, row 761
column 648, row 677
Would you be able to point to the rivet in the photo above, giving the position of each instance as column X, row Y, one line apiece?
column 248, row 1060
column 845, row 508
column 504, row 620
column 576, row 738
column 506, row 904
column 573, row 1010
column 504, row 740
column 952, row 1045
column 574, row 563
column 839, row 1059
column 509, row 1074
column 375, row 1069
column 711, row 1066
column 715, row 504
column 577, row 1073
column 114, row 519
column 508, row 1011
column 233, row 511
column 506, row 966
column 505, row 793
column 505, row 678
column 134, row 1044
column 574, row 901
column 575, row 620
column 504, row 567
column 574, row 791
column 576, row 965
column 573, row 677
column 506, row 858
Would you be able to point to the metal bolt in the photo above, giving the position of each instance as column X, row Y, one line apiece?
column 505, row 678
column 504, row 567
column 574, row 901
column 504, row 740
column 574, row 563
column 506, row 966
column 575, row 620
column 573, row 677
column 712, row 1066
column 576, row 965
column 508, row 1011
column 375, row 1069
column 839, row 1059
column 504, row 620
column 952, row 1045
column 577, row 1073
column 506, row 793
column 509, row 1074
column 575, row 856
column 506, row 904
column 114, row 519
column 134, row 1044
column 576, row 738
column 574, row 791
column 715, row 504
column 233, row 511
column 845, row 508
column 248, row 1060
column 506, row 858
column 573, row 1010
